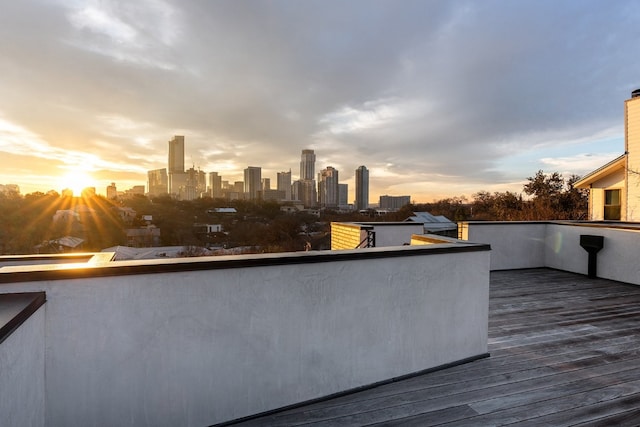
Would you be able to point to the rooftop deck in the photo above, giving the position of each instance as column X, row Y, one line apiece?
column 565, row 350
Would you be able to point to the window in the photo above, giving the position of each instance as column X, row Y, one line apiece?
column 612, row 204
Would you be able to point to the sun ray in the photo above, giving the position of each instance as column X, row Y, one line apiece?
column 76, row 181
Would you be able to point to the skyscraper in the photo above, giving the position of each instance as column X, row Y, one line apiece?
column 307, row 165
column 362, row 188
column 308, row 193
column 177, row 176
column 176, row 154
column 195, row 186
column 328, row 187
column 157, row 182
column 284, row 184
column 252, row 182
column 343, row 195
column 266, row 184
column 215, row 185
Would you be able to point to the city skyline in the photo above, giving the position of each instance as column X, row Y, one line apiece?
column 438, row 99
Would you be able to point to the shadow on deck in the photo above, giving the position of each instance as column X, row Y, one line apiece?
column 565, row 350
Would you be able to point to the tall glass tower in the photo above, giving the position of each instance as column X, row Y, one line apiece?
column 307, row 165
column 328, row 187
column 284, row 184
column 308, row 193
column 176, row 154
column 252, row 182
column 177, row 176
column 362, row 188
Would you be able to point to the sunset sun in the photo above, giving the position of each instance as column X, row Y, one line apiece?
column 76, row 181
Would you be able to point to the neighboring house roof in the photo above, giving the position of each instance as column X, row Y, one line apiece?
column 601, row 172
column 69, row 241
column 432, row 222
column 223, row 210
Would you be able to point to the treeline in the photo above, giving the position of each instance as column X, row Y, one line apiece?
column 546, row 197
column 27, row 224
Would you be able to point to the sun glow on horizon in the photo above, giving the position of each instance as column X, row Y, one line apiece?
column 76, row 181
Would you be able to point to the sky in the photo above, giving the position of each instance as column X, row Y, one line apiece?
column 437, row 98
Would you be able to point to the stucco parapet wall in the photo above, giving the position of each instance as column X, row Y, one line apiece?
column 87, row 257
column 32, row 273
column 356, row 225
column 633, row 226
column 394, row 223
column 436, row 239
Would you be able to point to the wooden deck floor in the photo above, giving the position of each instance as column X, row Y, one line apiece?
column 565, row 351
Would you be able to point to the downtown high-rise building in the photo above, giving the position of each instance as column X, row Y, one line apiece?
column 307, row 165
column 393, row 202
column 266, row 184
column 157, row 182
column 195, row 185
column 362, row 188
column 284, row 184
column 252, row 182
column 343, row 196
column 215, row 185
column 176, row 154
column 308, row 194
column 328, row 187
column 177, row 176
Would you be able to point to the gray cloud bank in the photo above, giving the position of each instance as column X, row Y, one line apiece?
column 428, row 94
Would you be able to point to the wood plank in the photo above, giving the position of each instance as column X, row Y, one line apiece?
column 564, row 350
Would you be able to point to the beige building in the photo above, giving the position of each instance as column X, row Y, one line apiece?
column 614, row 189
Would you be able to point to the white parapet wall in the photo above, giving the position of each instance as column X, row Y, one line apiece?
column 202, row 341
column 348, row 235
column 556, row 244
column 22, row 379
column 513, row 244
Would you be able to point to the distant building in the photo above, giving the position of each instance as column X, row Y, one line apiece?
column 393, row 203
column 157, row 182
column 143, row 237
column 215, row 185
column 112, row 191
column 343, row 196
column 195, row 185
column 284, row 184
column 126, row 213
column 362, row 188
column 136, row 190
column 328, row 187
column 308, row 193
column 252, row 182
column 275, row 195
column 307, row 165
column 177, row 177
column 266, row 184
column 176, row 154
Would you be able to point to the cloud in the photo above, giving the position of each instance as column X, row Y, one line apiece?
column 429, row 95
